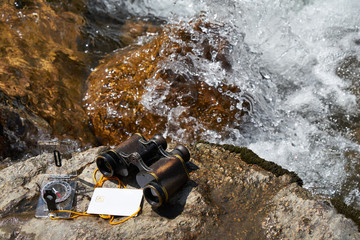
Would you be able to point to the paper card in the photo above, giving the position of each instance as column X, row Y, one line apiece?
column 115, row 201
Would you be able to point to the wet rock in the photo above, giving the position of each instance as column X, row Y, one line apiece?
column 19, row 132
column 349, row 69
column 225, row 198
column 158, row 85
column 47, row 49
column 41, row 70
column 348, row 124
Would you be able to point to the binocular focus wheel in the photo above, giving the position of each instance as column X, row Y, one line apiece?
column 160, row 141
column 183, row 152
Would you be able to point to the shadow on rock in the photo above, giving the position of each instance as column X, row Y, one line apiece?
column 176, row 204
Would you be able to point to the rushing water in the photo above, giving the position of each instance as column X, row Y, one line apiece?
column 285, row 55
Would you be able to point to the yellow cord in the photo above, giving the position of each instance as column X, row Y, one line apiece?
column 125, row 219
column 98, row 184
column 103, row 179
column 77, row 214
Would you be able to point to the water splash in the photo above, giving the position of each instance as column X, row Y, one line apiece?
column 284, row 57
column 300, row 44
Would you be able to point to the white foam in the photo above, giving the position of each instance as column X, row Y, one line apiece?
column 158, row 8
column 298, row 44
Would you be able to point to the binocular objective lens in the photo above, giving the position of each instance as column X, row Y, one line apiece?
column 154, row 194
column 104, row 167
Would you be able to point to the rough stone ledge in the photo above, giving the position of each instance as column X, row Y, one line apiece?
column 226, row 198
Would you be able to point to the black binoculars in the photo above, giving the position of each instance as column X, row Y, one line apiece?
column 160, row 173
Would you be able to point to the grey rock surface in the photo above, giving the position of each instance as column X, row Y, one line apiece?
column 225, row 198
column 296, row 215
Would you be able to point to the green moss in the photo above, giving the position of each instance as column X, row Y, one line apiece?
column 346, row 210
column 250, row 157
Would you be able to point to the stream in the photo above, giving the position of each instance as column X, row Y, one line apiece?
column 295, row 62
column 291, row 58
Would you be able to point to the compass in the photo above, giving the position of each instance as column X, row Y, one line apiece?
column 60, row 188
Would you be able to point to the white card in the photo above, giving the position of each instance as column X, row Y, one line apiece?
column 115, row 201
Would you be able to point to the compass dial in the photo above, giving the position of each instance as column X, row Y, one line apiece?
column 61, row 189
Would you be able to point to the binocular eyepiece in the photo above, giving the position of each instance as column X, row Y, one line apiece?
column 161, row 173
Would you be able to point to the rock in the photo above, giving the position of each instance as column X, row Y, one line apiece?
column 295, row 216
column 225, row 198
column 47, row 49
column 349, row 70
column 158, row 86
column 19, row 132
column 21, row 181
column 41, row 73
column 348, row 123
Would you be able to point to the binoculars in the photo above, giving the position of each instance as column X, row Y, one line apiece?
column 160, row 173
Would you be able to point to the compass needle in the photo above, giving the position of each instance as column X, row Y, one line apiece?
column 56, row 192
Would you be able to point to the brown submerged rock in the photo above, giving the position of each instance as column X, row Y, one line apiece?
column 225, row 198
column 137, row 89
column 41, row 70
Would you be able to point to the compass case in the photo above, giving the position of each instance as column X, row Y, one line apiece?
column 63, row 190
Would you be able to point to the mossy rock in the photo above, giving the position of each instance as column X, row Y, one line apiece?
column 346, row 210
column 250, row 157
